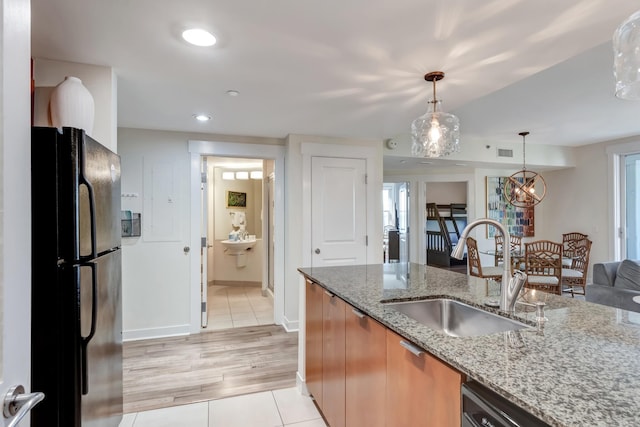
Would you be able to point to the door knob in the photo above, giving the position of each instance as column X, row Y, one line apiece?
column 317, row 250
column 186, row 249
column 17, row 403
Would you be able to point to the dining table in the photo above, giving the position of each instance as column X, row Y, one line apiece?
column 517, row 257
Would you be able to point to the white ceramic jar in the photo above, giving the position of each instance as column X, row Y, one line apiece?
column 71, row 104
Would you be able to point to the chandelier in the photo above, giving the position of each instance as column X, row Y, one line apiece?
column 436, row 133
column 626, row 65
column 524, row 188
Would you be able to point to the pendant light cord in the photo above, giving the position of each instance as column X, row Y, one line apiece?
column 524, row 151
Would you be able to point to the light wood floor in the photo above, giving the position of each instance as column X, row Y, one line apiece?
column 174, row 371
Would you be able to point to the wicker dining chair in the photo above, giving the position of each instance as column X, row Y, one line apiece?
column 543, row 265
column 515, row 245
column 570, row 241
column 475, row 266
column 576, row 276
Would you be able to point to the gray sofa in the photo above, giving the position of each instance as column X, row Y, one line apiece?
column 615, row 284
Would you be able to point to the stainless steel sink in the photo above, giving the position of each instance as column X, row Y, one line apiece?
column 456, row 318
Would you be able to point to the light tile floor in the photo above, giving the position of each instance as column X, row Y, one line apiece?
column 277, row 408
column 238, row 306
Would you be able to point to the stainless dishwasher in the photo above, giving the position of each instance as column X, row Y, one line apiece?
column 482, row 407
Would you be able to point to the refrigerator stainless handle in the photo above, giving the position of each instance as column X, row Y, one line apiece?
column 92, row 206
column 17, row 404
column 84, row 341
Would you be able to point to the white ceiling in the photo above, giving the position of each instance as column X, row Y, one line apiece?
column 353, row 68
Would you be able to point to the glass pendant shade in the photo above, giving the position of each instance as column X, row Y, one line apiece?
column 626, row 66
column 436, row 133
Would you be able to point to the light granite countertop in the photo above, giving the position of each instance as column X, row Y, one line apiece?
column 579, row 368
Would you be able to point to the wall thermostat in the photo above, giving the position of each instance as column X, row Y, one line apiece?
column 392, row 144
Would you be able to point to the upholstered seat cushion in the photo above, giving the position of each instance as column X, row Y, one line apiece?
column 628, row 275
column 543, row 280
column 571, row 273
column 492, row 271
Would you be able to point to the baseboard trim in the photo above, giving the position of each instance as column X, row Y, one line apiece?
column 289, row 325
column 234, row 283
column 150, row 333
column 301, row 385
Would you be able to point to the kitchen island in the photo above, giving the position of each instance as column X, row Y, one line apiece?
column 580, row 367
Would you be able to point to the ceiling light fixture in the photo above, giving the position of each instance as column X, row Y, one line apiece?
column 626, row 65
column 435, row 134
column 230, row 176
column 202, row 117
column 199, row 37
column 524, row 188
column 255, row 174
column 232, row 92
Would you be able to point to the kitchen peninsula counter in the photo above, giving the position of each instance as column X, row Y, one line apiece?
column 580, row 367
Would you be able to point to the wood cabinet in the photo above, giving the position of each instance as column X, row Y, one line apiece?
column 361, row 375
column 421, row 389
column 365, row 370
column 333, row 360
column 313, row 340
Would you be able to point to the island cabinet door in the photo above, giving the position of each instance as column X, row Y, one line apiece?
column 421, row 390
column 366, row 370
column 313, row 341
column 333, row 360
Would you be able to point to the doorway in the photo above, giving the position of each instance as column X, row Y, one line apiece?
column 200, row 149
column 237, row 281
column 396, row 219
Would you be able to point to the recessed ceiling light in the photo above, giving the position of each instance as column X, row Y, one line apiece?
column 199, row 37
column 233, row 92
column 202, row 117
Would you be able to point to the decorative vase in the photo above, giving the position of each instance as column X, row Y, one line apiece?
column 71, row 105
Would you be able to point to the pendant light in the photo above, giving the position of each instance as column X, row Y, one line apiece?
column 626, row 65
column 524, row 189
column 436, row 133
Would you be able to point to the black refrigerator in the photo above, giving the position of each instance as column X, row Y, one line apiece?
column 76, row 321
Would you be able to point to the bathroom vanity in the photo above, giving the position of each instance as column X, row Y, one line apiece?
column 580, row 367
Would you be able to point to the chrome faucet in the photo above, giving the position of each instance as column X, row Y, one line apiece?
column 510, row 286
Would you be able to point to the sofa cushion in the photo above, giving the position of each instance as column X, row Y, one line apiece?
column 628, row 275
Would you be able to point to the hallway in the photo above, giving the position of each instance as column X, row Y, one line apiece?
column 237, row 306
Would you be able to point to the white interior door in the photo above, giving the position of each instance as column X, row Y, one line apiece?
column 15, row 245
column 338, row 211
column 204, row 243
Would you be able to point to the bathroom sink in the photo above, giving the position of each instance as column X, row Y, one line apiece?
column 456, row 318
column 238, row 246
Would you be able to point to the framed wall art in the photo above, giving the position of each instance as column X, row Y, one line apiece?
column 236, row 199
column 519, row 221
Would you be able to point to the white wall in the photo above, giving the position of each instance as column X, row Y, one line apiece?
column 222, row 217
column 156, row 274
column 225, row 268
column 579, row 199
column 99, row 80
column 444, row 193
